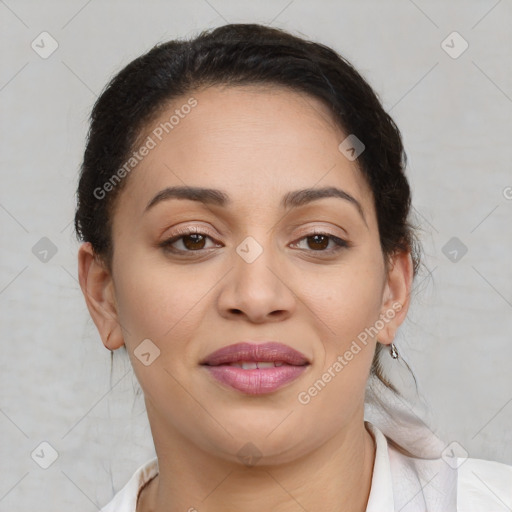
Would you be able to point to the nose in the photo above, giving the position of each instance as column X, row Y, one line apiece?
column 257, row 291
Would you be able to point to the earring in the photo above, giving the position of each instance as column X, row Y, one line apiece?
column 393, row 351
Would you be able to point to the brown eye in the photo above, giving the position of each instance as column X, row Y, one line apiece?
column 319, row 242
column 194, row 241
column 187, row 243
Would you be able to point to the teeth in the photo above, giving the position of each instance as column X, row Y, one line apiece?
column 253, row 365
column 268, row 364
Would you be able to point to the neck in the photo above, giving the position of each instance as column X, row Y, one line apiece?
column 336, row 474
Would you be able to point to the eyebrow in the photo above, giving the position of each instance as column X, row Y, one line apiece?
column 294, row 199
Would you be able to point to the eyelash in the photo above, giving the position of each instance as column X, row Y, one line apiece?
column 166, row 245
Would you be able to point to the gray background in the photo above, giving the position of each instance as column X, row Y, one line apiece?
column 454, row 114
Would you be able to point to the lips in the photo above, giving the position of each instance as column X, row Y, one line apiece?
column 274, row 352
column 255, row 369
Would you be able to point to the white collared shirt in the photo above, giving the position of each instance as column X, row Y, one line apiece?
column 399, row 483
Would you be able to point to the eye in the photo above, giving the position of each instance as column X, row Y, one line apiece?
column 195, row 241
column 319, row 242
column 191, row 241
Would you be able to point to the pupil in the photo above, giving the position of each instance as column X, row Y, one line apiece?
column 199, row 238
column 316, row 237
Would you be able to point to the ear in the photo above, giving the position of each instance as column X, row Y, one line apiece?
column 396, row 295
column 98, row 289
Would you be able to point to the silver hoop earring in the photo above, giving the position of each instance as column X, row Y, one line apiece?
column 393, row 351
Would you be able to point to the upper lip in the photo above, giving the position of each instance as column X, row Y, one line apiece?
column 247, row 351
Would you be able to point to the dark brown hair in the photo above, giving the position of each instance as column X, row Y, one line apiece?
column 242, row 54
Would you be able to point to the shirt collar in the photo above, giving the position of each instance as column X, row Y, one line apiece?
column 381, row 492
column 409, row 484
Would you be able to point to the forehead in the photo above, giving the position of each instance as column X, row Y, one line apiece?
column 254, row 142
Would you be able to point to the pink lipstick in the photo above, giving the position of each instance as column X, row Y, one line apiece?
column 256, row 368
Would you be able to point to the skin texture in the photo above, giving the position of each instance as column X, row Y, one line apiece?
column 255, row 144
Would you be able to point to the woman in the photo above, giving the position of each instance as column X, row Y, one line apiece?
column 244, row 212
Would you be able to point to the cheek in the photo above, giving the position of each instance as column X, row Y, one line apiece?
column 165, row 306
column 156, row 301
column 347, row 299
column 335, row 389
column 347, row 302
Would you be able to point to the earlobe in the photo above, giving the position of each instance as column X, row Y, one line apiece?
column 98, row 290
column 396, row 296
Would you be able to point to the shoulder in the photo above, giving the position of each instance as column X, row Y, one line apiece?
column 484, row 485
column 126, row 499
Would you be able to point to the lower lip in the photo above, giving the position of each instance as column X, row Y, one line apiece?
column 256, row 382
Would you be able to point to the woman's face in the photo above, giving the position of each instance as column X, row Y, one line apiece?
column 255, row 273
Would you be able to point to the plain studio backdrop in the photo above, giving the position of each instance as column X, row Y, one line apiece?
column 443, row 72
